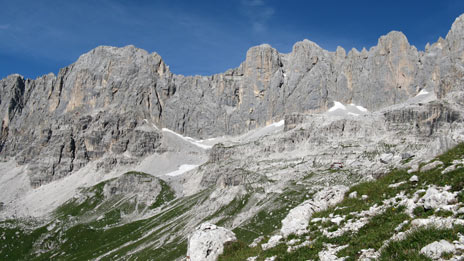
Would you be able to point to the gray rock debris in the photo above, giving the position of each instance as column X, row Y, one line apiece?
column 206, row 243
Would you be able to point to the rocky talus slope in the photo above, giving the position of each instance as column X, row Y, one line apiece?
column 308, row 155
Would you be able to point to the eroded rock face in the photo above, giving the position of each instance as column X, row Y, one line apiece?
column 207, row 242
column 95, row 107
column 142, row 187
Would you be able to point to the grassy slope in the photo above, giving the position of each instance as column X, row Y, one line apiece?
column 92, row 227
column 379, row 228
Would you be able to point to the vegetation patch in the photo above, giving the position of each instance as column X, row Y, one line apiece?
column 409, row 248
column 379, row 228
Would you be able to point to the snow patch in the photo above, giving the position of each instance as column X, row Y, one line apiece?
column 195, row 142
column 181, row 170
column 277, row 124
column 337, row 106
column 361, row 108
column 422, row 92
column 154, row 126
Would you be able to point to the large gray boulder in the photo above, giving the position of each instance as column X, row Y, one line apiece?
column 207, row 242
column 297, row 219
column 436, row 249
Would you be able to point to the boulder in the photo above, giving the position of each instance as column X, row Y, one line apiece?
column 437, row 248
column 297, row 219
column 414, row 179
column 434, row 199
column 206, row 243
column 353, row 194
column 431, row 166
column 273, row 241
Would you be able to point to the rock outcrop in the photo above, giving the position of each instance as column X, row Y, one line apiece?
column 298, row 218
column 207, row 242
column 436, row 249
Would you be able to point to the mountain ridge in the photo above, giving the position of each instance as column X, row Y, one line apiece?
column 133, row 85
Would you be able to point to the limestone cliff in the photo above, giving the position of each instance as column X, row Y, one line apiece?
column 111, row 101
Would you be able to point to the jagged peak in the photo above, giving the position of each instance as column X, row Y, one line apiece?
column 340, row 52
column 393, row 37
column 458, row 25
column 261, row 48
column 99, row 57
column 353, row 52
column 305, row 43
column 14, row 76
column 261, row 57
column 105, row 50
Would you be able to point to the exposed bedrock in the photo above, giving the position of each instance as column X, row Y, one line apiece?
column 109, row 101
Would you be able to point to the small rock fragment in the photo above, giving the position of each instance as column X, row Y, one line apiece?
column 414, row 179
column 353, row 194
column 273, row 241
column 431, row 166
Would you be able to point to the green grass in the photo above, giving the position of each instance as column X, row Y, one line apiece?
column 376, row 191
column 18, row 242
column 238, row 251
column 421, row 212
column 269, row 218
column 456, row 153
column 93, row 226
column 409, row 248
column 379, row 228
column 374, row 233
column 166, row 195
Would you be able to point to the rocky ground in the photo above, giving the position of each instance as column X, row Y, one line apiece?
column 408, row 214
column 272, row 185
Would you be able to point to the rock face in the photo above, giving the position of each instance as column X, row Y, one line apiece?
column 107, row 104
column 207, row 242
column 140, row 187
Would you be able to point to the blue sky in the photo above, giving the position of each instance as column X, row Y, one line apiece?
column 204, row 37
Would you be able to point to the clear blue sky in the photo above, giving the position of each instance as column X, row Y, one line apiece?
column 204, row 37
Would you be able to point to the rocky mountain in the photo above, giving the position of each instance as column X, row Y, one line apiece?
column 249, row 149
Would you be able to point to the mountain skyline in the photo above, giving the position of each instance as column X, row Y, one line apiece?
column 206, row 37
